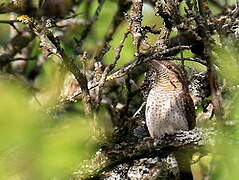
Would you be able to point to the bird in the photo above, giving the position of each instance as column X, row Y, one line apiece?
column 169, row 106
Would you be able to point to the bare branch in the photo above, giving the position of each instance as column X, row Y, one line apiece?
column 135, row 25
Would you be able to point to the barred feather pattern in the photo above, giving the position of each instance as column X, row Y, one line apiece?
column 169, row 107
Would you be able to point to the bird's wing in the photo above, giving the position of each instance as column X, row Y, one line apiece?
column 189, row 109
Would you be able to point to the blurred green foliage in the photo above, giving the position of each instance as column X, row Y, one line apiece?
column 226, row 155
column 32, row 146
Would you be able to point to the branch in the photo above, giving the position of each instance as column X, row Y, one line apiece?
column 208, row 41
column 17, row 43
column 92, row 21
column 219, row 5
column 10, row 22
column 109, row 68
column 118, row 18
column 51, row 44
column 157, row 55
column 135, row 23
column 126, row 69
column 118, row 153
column 185, row 59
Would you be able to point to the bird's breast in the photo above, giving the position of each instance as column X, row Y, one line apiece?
column 164, row 113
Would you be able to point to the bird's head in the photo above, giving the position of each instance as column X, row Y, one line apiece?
column 166, row 74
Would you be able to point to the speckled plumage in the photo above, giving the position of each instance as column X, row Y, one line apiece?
column 169, row 107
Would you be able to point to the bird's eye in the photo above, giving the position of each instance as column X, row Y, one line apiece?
column 169, row 67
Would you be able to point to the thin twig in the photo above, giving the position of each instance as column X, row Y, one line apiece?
column 122, row 7
column 10, row 22
column 219, row 5
column 109, row 68
column 92, row 21
column 185, row 59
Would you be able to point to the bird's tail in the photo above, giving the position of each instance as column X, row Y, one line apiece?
column 184, row 165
